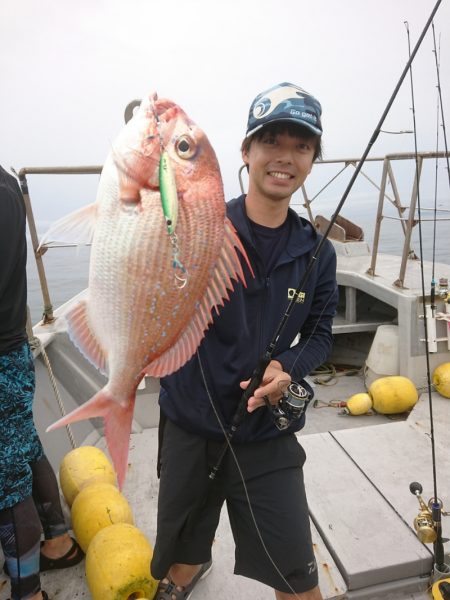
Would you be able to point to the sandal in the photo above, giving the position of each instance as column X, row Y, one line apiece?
column 63, row 562
column 44, row 596
column 168, row 590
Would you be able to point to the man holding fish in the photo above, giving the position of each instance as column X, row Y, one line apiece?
column 260, row 478
column 166, row 249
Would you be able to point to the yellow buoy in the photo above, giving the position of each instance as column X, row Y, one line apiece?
column 118, row 564
column 97, row 506
column 359, row 404
column 441, row 379
column 437, row 591
column 83, row 466
column 391, row 395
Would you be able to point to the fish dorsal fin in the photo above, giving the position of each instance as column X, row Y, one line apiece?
column 83, row 338
column 75, row 228
column 227, row 268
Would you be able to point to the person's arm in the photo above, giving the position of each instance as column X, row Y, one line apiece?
column 315, row 342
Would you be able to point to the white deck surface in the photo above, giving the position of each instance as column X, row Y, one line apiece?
column 357, row 482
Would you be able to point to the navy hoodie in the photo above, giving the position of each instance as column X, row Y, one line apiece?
column 239, row 335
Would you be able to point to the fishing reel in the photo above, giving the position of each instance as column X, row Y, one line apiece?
column 292, row 405
column 425, row 523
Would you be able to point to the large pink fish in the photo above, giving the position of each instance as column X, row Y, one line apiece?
column 150, row 292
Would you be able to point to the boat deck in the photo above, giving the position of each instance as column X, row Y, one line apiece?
column 357, row 473
column 357, row 478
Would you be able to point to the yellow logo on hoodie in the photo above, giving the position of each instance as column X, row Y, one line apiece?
column 300, row 299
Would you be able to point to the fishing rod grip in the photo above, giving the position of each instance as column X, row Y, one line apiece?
column 255, row 382
column 439, row 555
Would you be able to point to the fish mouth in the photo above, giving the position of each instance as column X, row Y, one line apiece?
column 139, row 167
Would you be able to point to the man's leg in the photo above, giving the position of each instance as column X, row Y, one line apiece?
column 20, row 534
column 182, row 575
column 273, row 540
column 46, row 498
column 313, row 594
column 183, row 483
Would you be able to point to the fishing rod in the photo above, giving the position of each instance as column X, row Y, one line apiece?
column 440, row 109
column 428, row 523
column 258, row 373
column 441, row 103
column 438, row 545
column 436, row 169
column 265, row 359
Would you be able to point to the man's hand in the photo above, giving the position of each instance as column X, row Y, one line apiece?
column 274, row 383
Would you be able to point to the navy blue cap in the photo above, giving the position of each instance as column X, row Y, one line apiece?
column 285, row 102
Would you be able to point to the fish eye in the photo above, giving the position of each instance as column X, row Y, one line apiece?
column 185, row 147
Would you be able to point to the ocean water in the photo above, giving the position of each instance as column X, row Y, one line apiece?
column 67, row 269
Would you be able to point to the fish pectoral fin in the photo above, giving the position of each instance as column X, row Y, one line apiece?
column 118, row 421
column 76, row 228
column 83, row 338
column 227, row 268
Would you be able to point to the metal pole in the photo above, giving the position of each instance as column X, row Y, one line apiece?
column 376, row 238
column 47, row 316
column 410, row 224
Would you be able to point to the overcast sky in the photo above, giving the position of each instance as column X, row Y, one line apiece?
column 68, row 69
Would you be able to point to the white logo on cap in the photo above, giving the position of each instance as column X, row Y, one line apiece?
column 306, row 115
column 276, row 97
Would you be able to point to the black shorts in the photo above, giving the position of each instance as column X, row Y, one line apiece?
column 274, row 481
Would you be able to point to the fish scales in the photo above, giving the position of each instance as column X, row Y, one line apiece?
column 146, row 313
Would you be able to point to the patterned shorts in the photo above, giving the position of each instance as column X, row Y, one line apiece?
column 19, row 441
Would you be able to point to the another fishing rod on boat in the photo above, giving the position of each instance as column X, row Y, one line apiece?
column 428, row 524
column 296, row 406
column 443, row 283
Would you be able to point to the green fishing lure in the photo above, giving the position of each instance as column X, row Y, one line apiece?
column 168, row 191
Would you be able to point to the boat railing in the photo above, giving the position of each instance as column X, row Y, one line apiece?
column 407, row 212
column 47, row 316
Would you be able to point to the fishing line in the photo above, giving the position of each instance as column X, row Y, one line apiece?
column 422, row 273
column 438, row 546
column 266, row 358
column 436, row 163
column 235, row 458
column 264, row 361
column 300, row 352
column 441, row 105
column 241, row 475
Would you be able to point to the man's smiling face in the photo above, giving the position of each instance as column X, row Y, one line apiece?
column 278, row 163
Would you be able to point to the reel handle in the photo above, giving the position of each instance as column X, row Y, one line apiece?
column 423, row 523
column 415, row 488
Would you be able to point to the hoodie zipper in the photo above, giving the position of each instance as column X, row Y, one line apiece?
column 262, row 315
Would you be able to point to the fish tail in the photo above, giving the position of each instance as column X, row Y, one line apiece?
column 117, row 420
